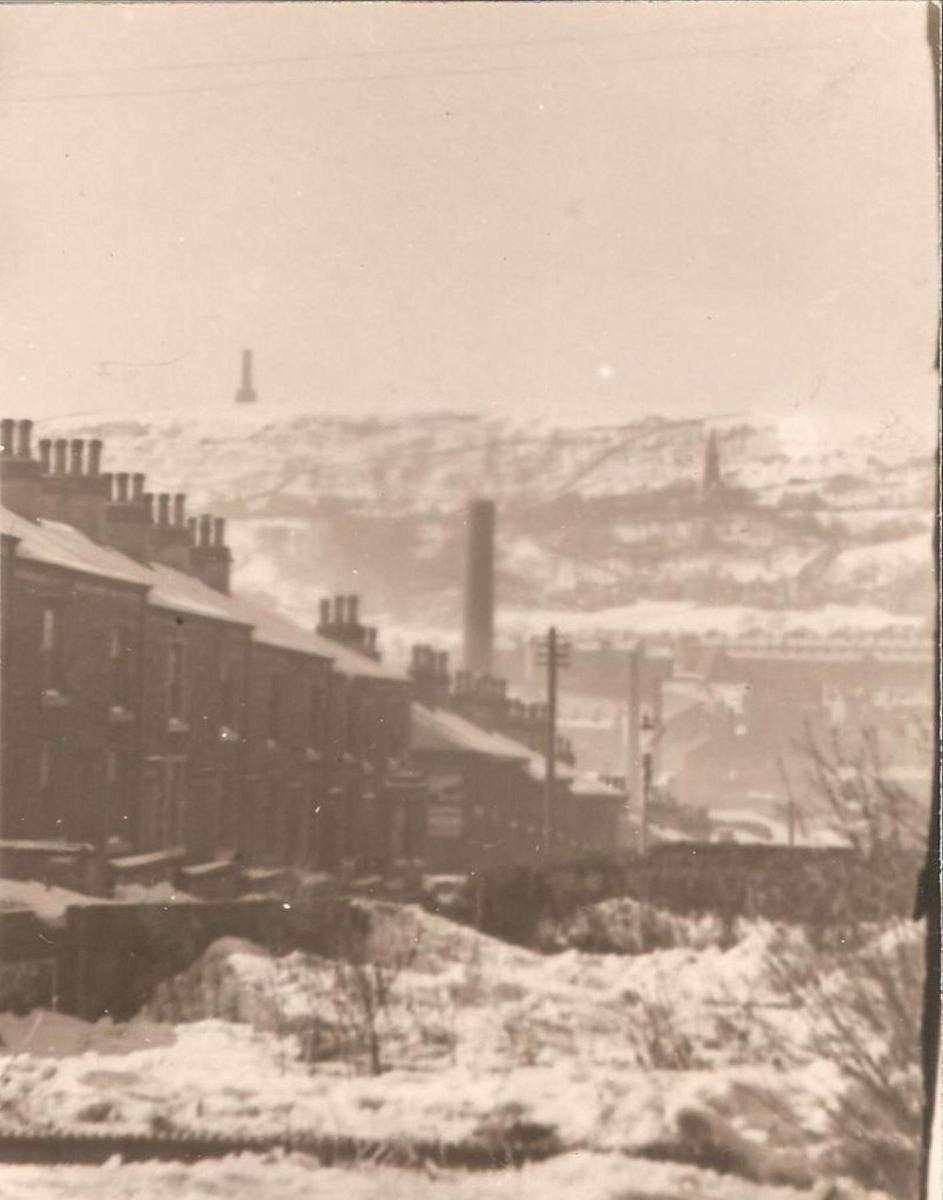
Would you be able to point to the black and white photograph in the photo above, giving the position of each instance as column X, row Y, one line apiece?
column 469, row 610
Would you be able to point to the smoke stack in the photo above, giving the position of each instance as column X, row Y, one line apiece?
column 95, row 456
column 246, row 393
column 479, row 588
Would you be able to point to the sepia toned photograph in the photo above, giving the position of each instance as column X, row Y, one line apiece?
column 469, row 512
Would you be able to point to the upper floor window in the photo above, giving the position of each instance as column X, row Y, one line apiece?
column 317, row 714
column 228, row 692
column 175, row 681
column 275, row 706
column 119, row 656
column 50, row 650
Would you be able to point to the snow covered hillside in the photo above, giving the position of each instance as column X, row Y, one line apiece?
column 589, row 518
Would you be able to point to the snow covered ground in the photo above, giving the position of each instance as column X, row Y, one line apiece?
column 690, row 1050
column 577, row 1176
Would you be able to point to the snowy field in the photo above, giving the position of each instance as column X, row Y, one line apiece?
column 691, row 1052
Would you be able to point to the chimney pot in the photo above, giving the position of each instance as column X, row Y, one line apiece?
column 26, row 434
column 206, row 528
column 78, row 450
column 95, row 456
column 180, row 502
column 163, row 508
column 45, row 455
column 6, row 426
column 61, row 453
column 122, row 481
column 219, row 531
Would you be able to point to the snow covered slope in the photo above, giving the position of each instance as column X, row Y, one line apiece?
column 590, row 517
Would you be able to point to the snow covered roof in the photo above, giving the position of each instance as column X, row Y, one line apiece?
column 438, row 729
column 61, row 545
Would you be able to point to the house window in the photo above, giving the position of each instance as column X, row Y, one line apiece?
column 226, row 829
column 275, row 707
column 116, row 815
column 45, row 766
column 316, row 715
column 228, row 692
column 118, row 655
column 50, row 651
column 175, row 681
column 172, row 815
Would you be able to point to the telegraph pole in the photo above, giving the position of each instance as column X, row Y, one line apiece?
column 647, row 735
column 553, row 652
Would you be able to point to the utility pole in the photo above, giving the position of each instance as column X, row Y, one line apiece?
column 647, row 735
column 554, row 653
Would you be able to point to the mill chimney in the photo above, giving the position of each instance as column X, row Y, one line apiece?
column 479, row 588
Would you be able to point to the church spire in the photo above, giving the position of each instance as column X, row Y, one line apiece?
column 712, row 482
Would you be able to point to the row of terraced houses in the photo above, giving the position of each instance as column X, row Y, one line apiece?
column 155, row 723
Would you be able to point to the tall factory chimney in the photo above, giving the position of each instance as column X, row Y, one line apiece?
column 246, row 393
column 479, row 588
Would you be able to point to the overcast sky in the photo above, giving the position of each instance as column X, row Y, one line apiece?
column 569, row 211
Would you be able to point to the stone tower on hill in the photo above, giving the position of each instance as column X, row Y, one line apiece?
column 246, row 393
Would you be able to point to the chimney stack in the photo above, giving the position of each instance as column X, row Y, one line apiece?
column 95, row 456
column 180, row 502
column 45, row 455
column 61, row 453
column 325, row 615
column 246, row 393
column 479, row 588
column 137, row 488
column 219, row 531
column 121, row 483
column 78, row 450
column 353, row 613
column 210, row 559
column 206, row 530
column 163, row 509
column 23, row 485
column 26, row 433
